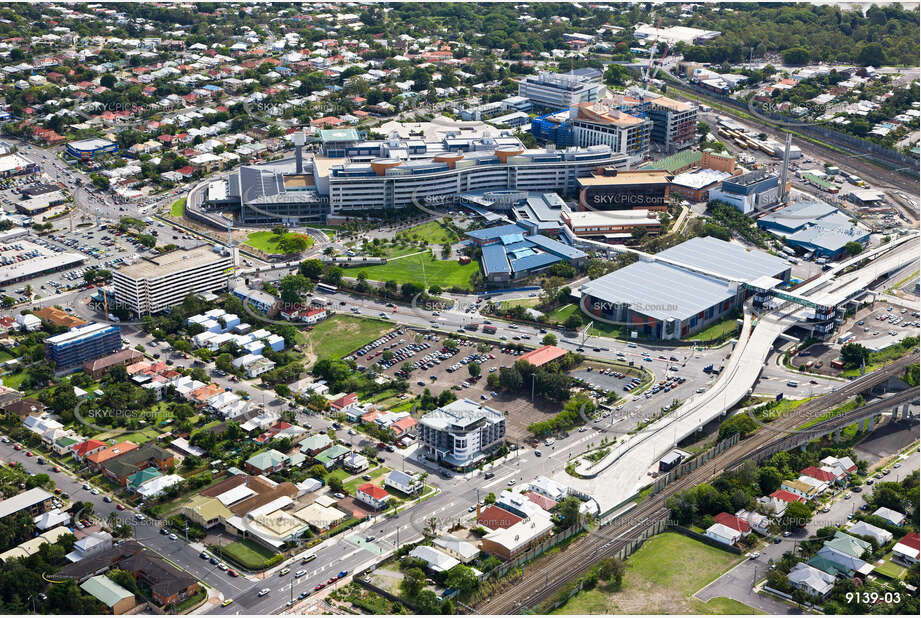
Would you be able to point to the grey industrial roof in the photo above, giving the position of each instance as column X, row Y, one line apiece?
column 556, row 247
column 658, row 290
column 798, row 214
column 830, row 237
column 726, row 259
column 496, row 232
column 530, row 262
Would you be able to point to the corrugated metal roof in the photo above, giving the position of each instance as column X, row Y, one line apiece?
column 556, row 247
column 495, row 260
column 533, row 261
column 727, row 259
column 659, row 291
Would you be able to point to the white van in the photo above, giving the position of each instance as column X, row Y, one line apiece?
column 792, row 383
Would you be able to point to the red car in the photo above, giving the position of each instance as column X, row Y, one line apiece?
column 17, row 447
column 58, row 490
column 28, row 453
column 120, row 507
column 56, row 469
column 232, row 573
column 319, row 587
column 331, row 580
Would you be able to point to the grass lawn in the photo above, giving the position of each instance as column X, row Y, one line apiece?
column 715, row 331
column 247, row 553
column 178, row 208
column 519, row 302
column 375, row 474
column 433, row 232
column 422, row 269
column 14, row 380
column 341, row 335
column 890, row 569
column 338, row 473
column 5, row 356
column 560, row 314
column 660, row 579
column 268, row 242
column 878, row 359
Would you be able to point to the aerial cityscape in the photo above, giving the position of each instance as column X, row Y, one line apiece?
column 436, row 308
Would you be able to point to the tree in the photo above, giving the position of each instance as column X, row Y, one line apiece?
column 568, row 510
column 573, row 322
column 797, row 515
column 549, row 339
column 612, row 570
column 769, row 480
column 407, row 368
column 854, row 354
column 463, row 578
column 871, row 55
column 490, row 498
column 853, row 247
column 795, row 56
column 427, row 602
column 413, row 582
column 312, row 269
column 293, row 287
column 335, row 484
column 474, row 369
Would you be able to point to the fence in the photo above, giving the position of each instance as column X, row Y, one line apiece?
column 887, row 156
column 534, row 552
column 693, row 464
column 703, row 538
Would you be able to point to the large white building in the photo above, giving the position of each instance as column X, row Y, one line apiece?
column 155, row 284
column 461, row 433
column 561, row 90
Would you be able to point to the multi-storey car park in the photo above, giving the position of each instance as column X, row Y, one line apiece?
column 155, row 284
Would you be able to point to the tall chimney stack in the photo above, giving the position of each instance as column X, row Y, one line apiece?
column 299, row 140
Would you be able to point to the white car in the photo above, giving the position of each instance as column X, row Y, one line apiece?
column 173, row 537
column 300, row 573
column 264, row 592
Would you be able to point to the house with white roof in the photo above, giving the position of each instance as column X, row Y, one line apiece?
column 893, row 517
column 436, row 560
column 724, row 534
column 811, row 580
column 459, row 549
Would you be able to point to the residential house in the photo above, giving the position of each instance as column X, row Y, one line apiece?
column 736, row 523
column 355, row 462
column 811, row 580
column 494, row 517
column 403, row 482
column 266, row 462
column 96, row 460
column 315, row 444
column 90, row 545
column 87, row 448
column 508, row 543
column 148, row 455
column 110, row 594
column 333, row 455
column 758, row 522
column 862, row 528
column 848, row 544
column 893, row 517
column 372, row 495
column 906, row 551
column 800, row 489
column 724, row 534
column 462, row 550
column 35, row 501
column 839, row 564
column 435, row 559
column 168, row 584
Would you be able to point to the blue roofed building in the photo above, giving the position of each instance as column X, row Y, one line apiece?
column 511, row 253
column 814, row 227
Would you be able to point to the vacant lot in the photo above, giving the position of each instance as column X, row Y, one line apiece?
column 340, row 335
column 268, row 242
column 661, row 578
column 422, row 269
column 248, row 554
column 178, row 208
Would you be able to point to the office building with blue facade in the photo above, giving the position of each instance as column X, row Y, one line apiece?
column 81, row 344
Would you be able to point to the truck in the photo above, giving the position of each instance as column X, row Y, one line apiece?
column 472, row 326
column 846, row 337
column 489, row 330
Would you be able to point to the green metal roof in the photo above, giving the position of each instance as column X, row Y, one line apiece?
column 339, row 135
column 139, row 478
column 104, row 589
column 332, row 453
column 267, row 459
column 314, row 442
column 675, row 162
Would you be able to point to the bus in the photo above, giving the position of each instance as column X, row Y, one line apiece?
column 325, row 287
column 491, row 330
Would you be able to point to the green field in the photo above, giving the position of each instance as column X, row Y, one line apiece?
column 715, row 331
column 14, row 380
column 375, row 475
column 341, row 335
column 424, row 270
column 248, row 554
column 661, row 578
column 178, row 208
column 433, row 232
column 5, row 356
column 268, row 242
column 890, row 569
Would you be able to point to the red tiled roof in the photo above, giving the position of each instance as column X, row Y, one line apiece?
column 786, row 496
column 540, row 500
column 494, row 517
column 373, row 490
column 344, row 401
column 818, row 474
column 89, row 445
column 731, row 521
column 913, row 540
column 404, row 424
column 542, row 356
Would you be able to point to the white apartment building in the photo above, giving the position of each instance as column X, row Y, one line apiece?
column 562, row 90
column 155, row 284
column 461, row 433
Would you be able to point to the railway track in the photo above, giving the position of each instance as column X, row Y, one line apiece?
column 545, row 577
